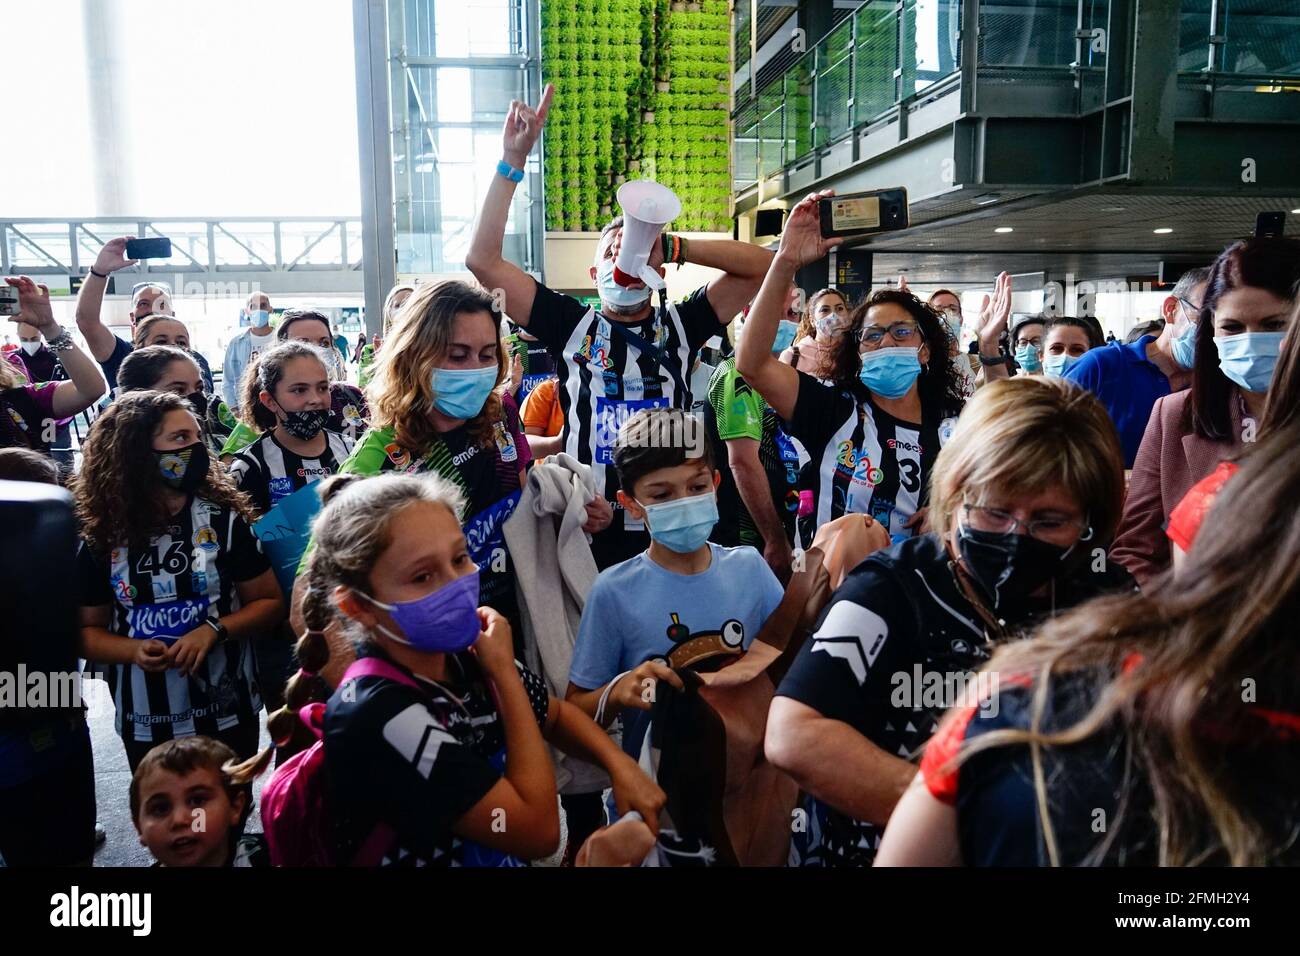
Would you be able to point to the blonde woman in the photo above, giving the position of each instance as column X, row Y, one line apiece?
column 1121, row 735
column 1026, row 496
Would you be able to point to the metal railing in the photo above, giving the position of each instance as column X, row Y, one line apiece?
column 889, row 51
column 885, row 53
column 228, row 244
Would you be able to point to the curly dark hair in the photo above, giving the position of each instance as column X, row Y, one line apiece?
column 940, row 382
column 119, row 492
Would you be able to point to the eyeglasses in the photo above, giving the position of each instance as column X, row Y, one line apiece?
column 904, row 333
column 997, row 521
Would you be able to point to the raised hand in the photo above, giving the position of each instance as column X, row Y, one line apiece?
column 522, row 128
column 995, row 313
column 34, row 303
column 801, row 240
column 113, row 256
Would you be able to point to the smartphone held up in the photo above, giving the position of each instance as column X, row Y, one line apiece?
column 864, row 213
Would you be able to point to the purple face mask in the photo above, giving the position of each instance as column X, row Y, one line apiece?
column 445, row 620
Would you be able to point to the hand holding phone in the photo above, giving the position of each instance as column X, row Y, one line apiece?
column 160, row 248
column 862, row 214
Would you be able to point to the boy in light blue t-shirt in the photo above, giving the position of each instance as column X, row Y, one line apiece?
column 682, row 588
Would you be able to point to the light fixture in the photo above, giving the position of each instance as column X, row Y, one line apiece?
column 1162, row 230
column 1004, row 229
column 1295, row 212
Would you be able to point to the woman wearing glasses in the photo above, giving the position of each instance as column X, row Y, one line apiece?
column 872, row 430
column 1026, row 496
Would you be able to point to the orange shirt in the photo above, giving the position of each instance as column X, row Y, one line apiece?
column 542, row 410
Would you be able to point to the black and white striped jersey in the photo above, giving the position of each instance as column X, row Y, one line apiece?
column 164, row 591
column 268, row 471
column 603, row 381
column 862, row 458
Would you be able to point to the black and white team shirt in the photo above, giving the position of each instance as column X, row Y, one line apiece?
column 268, row 471
column 603, row 381
column 164, row 591
column 898, row 644
column 863, row 459
column 416, row 759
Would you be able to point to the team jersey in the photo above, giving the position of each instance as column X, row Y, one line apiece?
column 537, row 363
column 736, row 410
column 268, row 471
column 165, row 590
column 898, row 644
column 416, row 759
column 489, row 478
column 602, row 381
column 27, row 416
column 862, row 458
column 998, row 816
column 349, row 414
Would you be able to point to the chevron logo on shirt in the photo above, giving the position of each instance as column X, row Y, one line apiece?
column 854, row 634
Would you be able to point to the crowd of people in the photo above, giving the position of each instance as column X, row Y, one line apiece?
column 868, row 597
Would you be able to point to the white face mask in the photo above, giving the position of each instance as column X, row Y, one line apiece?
column 616, row 295
column 31, row 348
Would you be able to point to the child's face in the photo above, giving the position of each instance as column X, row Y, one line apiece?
column 687, row 480
column 427, row 552
column 185, row 820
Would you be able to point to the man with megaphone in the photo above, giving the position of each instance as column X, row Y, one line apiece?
column 629, row 354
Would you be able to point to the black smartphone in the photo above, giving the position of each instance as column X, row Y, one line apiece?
column 860, row 214
column 1270, row 225
column 160, row 248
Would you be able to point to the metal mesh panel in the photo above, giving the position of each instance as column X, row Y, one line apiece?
column 1028, row 32
column 1263, row 37
column 877, row 58
column 833, row 88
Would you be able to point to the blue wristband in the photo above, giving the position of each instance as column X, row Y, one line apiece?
column 509, row 172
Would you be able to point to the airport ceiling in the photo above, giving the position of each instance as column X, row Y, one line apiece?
column 1104, row 233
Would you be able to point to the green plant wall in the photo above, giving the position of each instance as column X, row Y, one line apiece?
column 640, row 91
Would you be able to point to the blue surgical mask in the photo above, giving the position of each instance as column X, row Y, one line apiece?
column 1185, row 346
column 461, row 392
column 259, row 318
column 684, row 524
column 1248, row 358
column 443, row 621
column 1057, row 365
column 1027, row 358
column 890, row 372
column 616, row 295
column 785, row 333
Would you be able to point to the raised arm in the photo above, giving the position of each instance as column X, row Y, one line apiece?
column 994, row 315
column 85, row 383
column 90, row 300
column 522, row 128
column 801, row 243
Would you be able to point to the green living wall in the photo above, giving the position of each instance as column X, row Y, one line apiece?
column 640, row 92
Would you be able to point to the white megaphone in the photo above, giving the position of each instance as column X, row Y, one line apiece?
column 647, row 208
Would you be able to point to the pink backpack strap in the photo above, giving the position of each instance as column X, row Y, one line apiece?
column 313, row 715
column 377, row 667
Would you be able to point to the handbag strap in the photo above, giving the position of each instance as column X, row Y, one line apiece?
column 649, row 348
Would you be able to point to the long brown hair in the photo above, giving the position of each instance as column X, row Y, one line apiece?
column 1226, row 623
column 1282, row 407
column 119, row 491
column 1271, row 263
column 401, row 392
column 263, row 374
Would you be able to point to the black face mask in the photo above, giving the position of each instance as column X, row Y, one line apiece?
column 305, row 425
column 200, row 402
column 183, row 469
column 1009, row 567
